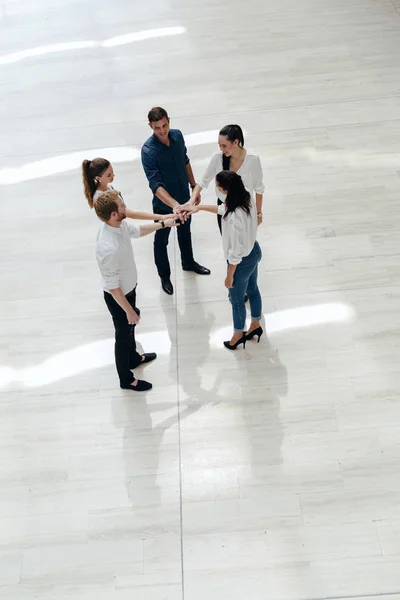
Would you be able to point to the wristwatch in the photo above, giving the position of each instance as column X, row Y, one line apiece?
column 192, row 186
column 259, row 214
column 162, row 224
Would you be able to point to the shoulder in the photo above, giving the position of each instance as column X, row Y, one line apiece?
column 149, row 145
column 216, row 158
column 176, row 134
column 252, row 156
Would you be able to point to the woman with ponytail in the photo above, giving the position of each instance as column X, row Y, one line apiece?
column 233, row 157
column 242, row 253
column 97, row 177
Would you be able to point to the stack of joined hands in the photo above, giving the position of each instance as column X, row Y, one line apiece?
column 183, row 211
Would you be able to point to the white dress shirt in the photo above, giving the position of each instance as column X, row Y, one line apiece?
column 239, row 233
column 115, row 258
column 250, row 172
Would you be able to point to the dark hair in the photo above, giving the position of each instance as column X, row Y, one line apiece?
column 90, row 170
column 156, row 114
column 233, row 133
column 236, row 194
column 106, row 204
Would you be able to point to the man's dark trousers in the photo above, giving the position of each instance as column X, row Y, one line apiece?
column 161, row 238
column 126, row 355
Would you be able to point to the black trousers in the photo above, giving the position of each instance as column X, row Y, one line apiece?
column 161, row 238
column 219, row 217
column 126, row 356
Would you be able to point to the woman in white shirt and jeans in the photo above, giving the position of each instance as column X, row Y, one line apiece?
column 242, row 253
column 233, row 157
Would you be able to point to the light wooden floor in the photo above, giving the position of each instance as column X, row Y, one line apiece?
column 271, row 473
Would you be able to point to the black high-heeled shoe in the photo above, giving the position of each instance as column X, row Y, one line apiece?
column 242, row 340
column 256, row 332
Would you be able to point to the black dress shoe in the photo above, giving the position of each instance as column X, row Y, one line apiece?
column 199, row 269
column 141, row 386
column 146, row 358
column 167, row 286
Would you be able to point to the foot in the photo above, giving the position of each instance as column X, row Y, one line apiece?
column 253, row 325
column 236, row 337
column 138, row 385
column 145, row 358
column 235, row 341
column 167, row 286
column 196, row 268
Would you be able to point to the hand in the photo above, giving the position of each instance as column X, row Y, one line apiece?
column 181, row 212
column 228, row 282
column 195, row 200
column 132, row 316
column 171, row 221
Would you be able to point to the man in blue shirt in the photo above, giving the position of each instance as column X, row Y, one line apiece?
column 169, row 173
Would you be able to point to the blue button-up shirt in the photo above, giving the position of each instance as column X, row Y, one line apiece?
column 165, row 166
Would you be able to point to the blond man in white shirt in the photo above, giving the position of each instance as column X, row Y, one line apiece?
column 117, row 266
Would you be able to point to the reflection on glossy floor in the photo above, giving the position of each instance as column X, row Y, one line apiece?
column 270, row 473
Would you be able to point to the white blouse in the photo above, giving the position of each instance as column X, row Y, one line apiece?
column 250, row 172
column 98, row 193
column 239, row 233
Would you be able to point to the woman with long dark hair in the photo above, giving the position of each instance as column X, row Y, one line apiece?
column 233, row 156
column 242, row 253
column 97, row 177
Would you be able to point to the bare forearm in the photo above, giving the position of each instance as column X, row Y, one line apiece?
column 163, row 195
column 191, row 178
column 144, row 216
column 209, row 208
column 231, row 270
column 148, row 228
column 259, row 202
column 119, row 297
column 195, row 193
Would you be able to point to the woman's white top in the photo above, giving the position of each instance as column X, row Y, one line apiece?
column 239, row 233
column 100, row 192
column 250, row 172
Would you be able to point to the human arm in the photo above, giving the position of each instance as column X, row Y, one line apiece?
column 258, row 188
column 154, row 177
column 205, row 207
column 145, row 216
column 191, row 179
column 119, row 297
column 230, row 275
column 147, row 228
column 213, row 167
column 109, row 267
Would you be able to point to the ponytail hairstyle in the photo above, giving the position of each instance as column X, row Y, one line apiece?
column 233, row 133
column 236, row 194
column 90, row 170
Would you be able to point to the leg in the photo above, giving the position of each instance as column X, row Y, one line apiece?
column 123, row 341
column 185, row 244
column 254, row 299
column 254, row 292
column 134, row 357
column 237, row 293
column 161, row 237
column 219, row 218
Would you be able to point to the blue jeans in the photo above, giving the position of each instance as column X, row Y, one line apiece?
column 245, row 280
